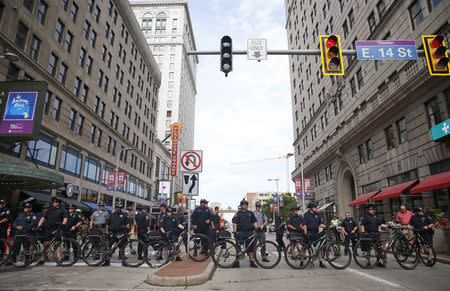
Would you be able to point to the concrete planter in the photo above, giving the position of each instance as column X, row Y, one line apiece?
column 441, row 240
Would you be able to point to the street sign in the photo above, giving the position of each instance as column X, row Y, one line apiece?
column 191, row 161
column 175, row 131
column 257, row 49
column 441, row 130
column 386, row 50
column 190, row 184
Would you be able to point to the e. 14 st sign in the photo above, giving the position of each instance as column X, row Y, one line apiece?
column 386, row 50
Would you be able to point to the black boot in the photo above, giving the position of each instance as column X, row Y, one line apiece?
column 253, row 265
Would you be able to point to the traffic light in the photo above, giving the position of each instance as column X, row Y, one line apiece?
column 436, row 54
column 226, row 55
column 330, row 51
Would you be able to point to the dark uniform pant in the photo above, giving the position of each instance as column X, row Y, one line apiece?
column 204, row 229
column 73, row 235
column 143, row 237
column 280, row 241
column 243, row 238
column 350, row 237
column 3, row 235
column 19, row 241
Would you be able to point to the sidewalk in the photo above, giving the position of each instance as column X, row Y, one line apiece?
column 183, row 273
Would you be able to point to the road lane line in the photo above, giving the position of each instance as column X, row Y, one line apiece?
column 374, row 278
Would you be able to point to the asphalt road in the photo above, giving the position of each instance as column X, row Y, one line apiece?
column 280, row 278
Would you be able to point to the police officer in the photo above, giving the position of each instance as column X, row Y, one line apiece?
column 117, row 224
column 143, row 226
column 100, row 217
column 201, row 219
column 262, row 221
column 424, row 224
column 349, row 227
column 244, row 223
column 169, row 226
column 369, row 225
column 23, row 224
column 55, row 216
column 311, row 224
column 294, row 224
column 215, row 223
column 73, row 222
column 40, row 214
column 4, row 223
column 162, row 213
column 280, row 225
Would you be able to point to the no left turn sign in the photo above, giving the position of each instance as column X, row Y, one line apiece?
column 191, row 161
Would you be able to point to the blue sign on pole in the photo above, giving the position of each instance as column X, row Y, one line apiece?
column 386, row 50
column 441, row 130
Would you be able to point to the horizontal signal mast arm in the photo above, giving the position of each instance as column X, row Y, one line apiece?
column 288, row 52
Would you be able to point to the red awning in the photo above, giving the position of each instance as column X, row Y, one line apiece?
column 395, row 191
column 434, row 182
column 363, row 198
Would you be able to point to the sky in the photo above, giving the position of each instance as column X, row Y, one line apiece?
column 246, row 116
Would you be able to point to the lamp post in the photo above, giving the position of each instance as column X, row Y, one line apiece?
column 287, row 156
column 276, row 196
column 303, row 183
column 116, row 180
column 10, row 56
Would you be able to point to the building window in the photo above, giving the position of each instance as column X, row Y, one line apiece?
column 372, row 22
column 68, row 42
column 74, row 12
column 97, row 14
column 99, row 137
column 389, row 137
column 381, row 7
column 100, row 78
column 89, row 195
column 48, row 95
column 56, row 108
column 28, row 4
column 34, row 47
column 434, row 3
column 64, row 4
column 362, row 158
column 92, row 135
column 89, row 65
column 53, row 62
column 161, row 23
column 82, row 57
column 42, row 12
column 59, row 30
column 404, row 177
column 86, row 28
column 345, row 29
column 111, row 39
column 353, row 86
column 102, row 109
column 342, row 2
column 21, row 35
column 70, row 162
column 402, row 132
column 434, row 114
column 91, row 170
column 72, row 116
column 93, row 38
column 62, row 73
column 369, row 149
column 351, row 19
column 96, row 102
column 43, row 151
column 76, row 87
column 360, row 79
column 79, row 125
column 84, row 94
column 415, row 13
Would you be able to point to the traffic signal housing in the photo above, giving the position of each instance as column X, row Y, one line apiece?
column 331, row 54
column 226, row 55
column 436, row 55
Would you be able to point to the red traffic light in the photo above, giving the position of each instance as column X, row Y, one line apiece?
column 437, row 41
column 331, row 41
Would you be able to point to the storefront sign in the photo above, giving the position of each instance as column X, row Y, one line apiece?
column 175, row 130
column 441, row 130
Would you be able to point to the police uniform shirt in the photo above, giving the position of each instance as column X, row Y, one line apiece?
column 278, row 221
column 25, row 220
column 215, row 218
column 244, row 220
column 260, row 217
column 200, row 215
column 4, row 213
column 419, row 221
column 73, row 219
column 169, row 223
column 130, row 219
column 161, row 217
column 142, row 222
column 312, row 221
column 100, row 217
column 54, row 216
column 295, row 221
column 348, row 224
column 179, row 218
column 117, row 220
column 370, row 223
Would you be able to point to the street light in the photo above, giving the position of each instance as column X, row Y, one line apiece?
column 303, row 182
column 10, row 56
column 287, row 156
column 276, row 196
column 118, row 151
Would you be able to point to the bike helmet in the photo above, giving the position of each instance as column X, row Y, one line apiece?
column 71, row 206
column 119, row 204
column 203, row 201
column 27, row 205
column 258, row 204
column 370, row 206
column 56, row 199
column 312, row 204
column 293, row 208
column 163, row 205
column 244, row 202
column 169, row 209
column 418, row 209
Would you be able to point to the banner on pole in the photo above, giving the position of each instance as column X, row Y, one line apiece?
column 111, row 180
column 120, row 181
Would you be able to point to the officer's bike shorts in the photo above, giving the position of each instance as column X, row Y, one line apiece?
column 243, row 236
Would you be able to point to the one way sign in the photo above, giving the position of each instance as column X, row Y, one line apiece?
column 190, row 184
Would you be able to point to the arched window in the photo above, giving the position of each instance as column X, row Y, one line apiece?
column 161, row 20
column 147, row 23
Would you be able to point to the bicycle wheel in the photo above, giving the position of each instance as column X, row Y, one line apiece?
column 405, row 253
column 66, row 252
column 225, row 253
column 365, row 254
column 427, row 254
column 296, row 256
column 336, row 257
column 200, row 247
column 267, row 254
column 94, row 251
column 135, row 254
column 5, row 256
column 158, row 253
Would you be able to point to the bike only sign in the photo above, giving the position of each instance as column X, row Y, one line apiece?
column 192, row 161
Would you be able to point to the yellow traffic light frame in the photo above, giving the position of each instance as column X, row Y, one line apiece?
column 427, row 39
column 323, row 53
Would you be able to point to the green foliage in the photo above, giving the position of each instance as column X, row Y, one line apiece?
column 435, row 213
column 286, row 210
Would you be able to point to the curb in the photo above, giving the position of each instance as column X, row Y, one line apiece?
column 198, row 279
column 443, row 260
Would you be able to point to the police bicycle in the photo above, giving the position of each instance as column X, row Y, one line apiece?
column 299, row 255
column 4, row 257
column 160, row 250
column 64, row 250
column 99, row 248
column 226, row 252
column 370, row 250
column 425, row 250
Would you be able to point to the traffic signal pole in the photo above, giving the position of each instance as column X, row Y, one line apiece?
column 286, row 52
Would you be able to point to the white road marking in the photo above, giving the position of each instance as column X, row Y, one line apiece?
column 374, row 278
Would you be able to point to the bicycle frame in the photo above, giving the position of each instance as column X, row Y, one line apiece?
column 253, row 239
